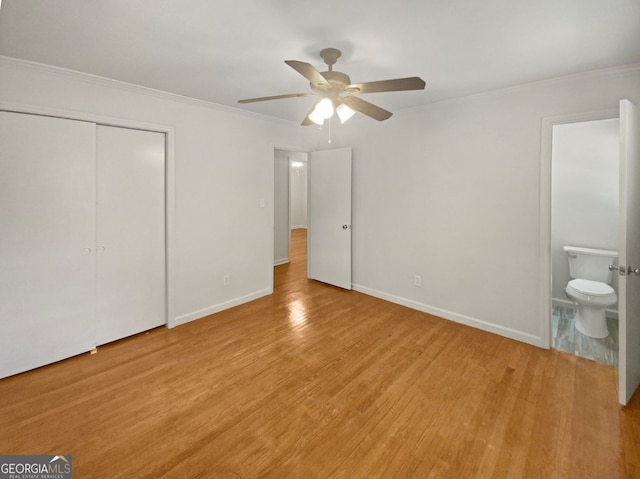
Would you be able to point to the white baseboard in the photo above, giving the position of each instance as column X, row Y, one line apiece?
column 277, row 262
column 455, row 317
column 565, row 303
column 185, row 318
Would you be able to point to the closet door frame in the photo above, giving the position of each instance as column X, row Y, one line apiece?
column 169, row 134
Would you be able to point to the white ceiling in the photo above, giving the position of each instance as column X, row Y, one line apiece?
column 225, row 50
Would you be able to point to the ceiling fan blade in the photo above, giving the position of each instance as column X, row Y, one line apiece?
column 310, row 73
column 366, row 108
column 398, row 84
column 276, row 97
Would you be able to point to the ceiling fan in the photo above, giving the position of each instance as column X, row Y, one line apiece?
column 338, row 93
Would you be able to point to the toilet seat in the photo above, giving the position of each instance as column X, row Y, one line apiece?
column 591, row 288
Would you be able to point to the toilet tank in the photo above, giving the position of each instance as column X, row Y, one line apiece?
column 589, row 263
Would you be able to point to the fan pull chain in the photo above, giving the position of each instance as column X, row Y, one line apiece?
column 330, row 121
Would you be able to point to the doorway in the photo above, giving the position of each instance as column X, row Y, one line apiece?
column 325, row 195
column 584, row 213
column 629, row 238
column 290, row 200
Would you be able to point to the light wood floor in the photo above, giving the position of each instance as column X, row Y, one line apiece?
column 316, row 382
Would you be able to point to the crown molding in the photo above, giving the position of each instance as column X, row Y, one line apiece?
column 131, row 87
column 591, row 74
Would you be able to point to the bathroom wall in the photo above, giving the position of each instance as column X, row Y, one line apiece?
column 584, row 193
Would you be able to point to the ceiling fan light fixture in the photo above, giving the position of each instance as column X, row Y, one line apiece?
column 344, row 112
column 324, row 108
column 315, row 117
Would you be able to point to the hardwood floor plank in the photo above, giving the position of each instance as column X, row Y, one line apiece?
column 317, row 382
column 550, row 446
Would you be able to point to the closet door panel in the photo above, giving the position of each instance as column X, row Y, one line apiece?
column 47, row 237
column 131, row 232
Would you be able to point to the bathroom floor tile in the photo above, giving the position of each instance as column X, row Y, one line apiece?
column 568, row 339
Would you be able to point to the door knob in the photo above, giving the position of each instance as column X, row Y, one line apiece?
column 344, row 227
column 625, row 270
column 621, row 269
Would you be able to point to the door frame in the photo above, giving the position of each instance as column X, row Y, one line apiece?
column 169, row 134
column 278, row 210
column 545, row 208
column 291, row 149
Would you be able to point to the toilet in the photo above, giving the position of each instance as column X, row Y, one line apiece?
column 590, row 288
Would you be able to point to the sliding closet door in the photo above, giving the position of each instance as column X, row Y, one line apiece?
column 131, row 232
column 47, row 237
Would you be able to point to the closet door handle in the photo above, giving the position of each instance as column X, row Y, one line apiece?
column 101, row 249
column 86, row 251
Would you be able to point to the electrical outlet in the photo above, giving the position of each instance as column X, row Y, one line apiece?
column 225, row 280
column 417, row 280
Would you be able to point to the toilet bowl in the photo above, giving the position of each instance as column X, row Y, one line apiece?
column 590, row 290
column 592, row 297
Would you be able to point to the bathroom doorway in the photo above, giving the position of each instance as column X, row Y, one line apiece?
column 584, row 213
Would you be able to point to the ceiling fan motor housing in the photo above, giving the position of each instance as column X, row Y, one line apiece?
column 338, row 80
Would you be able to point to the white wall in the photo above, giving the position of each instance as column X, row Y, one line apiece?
column 290, row 200
column 452, row 193
column 281, row 207
column 449, row 192
column 223, row 169
column 584, row 192
column 298, row 193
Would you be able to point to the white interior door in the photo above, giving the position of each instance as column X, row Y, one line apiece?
column 629, row 252
column 329, row 217
column 47, row 236
column 131, row 232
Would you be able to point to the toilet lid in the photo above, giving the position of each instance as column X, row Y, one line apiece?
column 592, row 288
